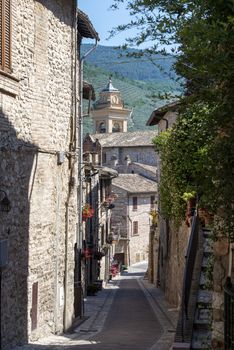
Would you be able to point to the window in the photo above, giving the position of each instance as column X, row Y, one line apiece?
column 152, row 202
column 116, row 127
column 103, row 158
column 134, row 203
column 5, row 35
column 102, row 128
column 135, row 228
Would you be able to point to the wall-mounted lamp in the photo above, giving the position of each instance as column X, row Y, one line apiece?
column 5, row 204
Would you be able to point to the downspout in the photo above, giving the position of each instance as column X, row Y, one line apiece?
column 72, row 148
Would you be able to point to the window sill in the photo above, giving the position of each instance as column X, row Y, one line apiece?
column 9, row 84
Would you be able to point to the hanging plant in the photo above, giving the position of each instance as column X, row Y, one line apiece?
column 87, row 253
column 87, row 212
column 154, row 216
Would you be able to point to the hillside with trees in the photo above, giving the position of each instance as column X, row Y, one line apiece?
column 143, row 85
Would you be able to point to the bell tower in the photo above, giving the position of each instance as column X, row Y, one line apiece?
column 108, row 113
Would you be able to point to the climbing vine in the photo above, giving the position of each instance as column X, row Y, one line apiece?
column 197, row 156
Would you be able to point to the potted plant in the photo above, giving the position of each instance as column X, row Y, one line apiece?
column 87, row 253
column 87, row 212
column 190, row 199
column 154, row 217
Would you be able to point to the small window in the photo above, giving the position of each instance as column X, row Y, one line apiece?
column 103, row 158
column 5, row 24
column 135, row 228
column 152, row 202
column 134, row 203
column 116, row 127
column 102, row 128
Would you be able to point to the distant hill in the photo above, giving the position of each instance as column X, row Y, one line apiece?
column 138, row 92
column 108, row 58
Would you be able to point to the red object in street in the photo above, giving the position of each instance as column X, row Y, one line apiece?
column 114, row 269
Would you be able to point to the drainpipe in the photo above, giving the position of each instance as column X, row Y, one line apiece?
column 72, row 146
column 79, row 232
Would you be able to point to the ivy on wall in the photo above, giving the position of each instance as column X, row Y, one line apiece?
column 197, row 155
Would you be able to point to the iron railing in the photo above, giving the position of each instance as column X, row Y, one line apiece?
column 229, row 315
column 190, row 257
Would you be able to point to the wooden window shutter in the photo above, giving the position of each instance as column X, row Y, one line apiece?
column 134, row 203
column 135, row 227
column 34, row 306
column 5, row 23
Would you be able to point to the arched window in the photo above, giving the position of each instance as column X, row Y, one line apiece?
column 102, row 128
column 116, row 127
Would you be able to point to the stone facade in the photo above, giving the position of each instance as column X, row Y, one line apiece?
column 222, row 266
column 171, row 262
column 35, row 125
column 132, row 154
column 138, row 154
column 132, row 223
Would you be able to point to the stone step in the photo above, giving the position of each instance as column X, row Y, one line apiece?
column 204, row 282
column 201, row 340
column 204, row 297
column 203, row 319
column 180, row 346
column 207, row 247
column 205, row 262
column 207, row 233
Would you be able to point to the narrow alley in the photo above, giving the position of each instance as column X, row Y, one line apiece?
column 129, row 313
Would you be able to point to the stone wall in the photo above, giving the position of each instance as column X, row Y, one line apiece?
column 220, row 272
column 173, row 245
column 35, row 105
column 139, row 244
column 123, row 217
column 145, row 155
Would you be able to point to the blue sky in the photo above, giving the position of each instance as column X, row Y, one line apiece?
column 104, row 19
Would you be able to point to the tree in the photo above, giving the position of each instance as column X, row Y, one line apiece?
column 203, row 32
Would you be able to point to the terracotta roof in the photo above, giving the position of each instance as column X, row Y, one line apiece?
column 135, row 183
column 158, row 114
column 85, row 27
column 125, row 139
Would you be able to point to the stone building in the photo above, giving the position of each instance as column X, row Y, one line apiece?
column 130, row 218
column 192, row 259
column 171, row 241
column 97, row 242
column 132, row 154
column 38, row 112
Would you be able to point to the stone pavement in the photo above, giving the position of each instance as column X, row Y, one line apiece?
column 96, row 312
